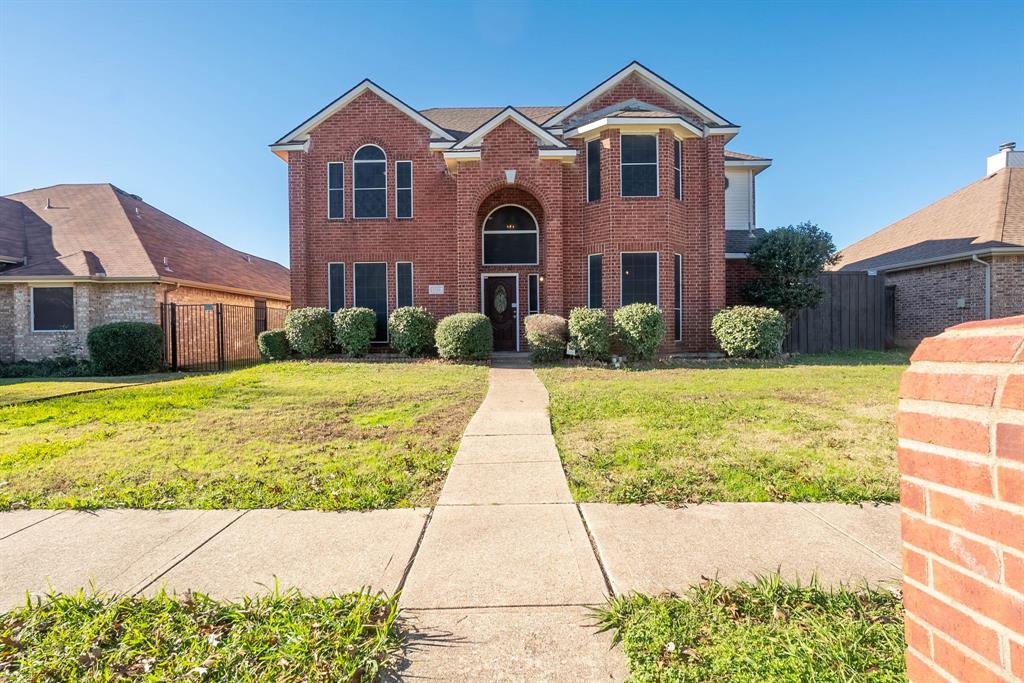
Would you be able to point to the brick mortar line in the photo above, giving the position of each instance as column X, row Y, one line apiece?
column 966, row 533
column 969, row 496
column 986, row 621
column 968, row 572
column 850, row 536
column 44, row 519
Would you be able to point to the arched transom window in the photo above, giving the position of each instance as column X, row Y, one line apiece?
column 370, row 196
column 511, row 237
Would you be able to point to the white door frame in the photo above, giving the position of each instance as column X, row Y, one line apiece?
column 515, row 304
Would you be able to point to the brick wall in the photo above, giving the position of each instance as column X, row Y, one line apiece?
column 6, row 323
column 738, row 272
column 961, row 453
column 170, row 294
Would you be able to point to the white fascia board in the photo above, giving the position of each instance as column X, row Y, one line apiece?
column 566, row 155
column 477, row 136
column 657, row 81
column 302, row 131
column 732, row 131
column 462, row 154
column 437, row 146
column 614, row 121
column 755, row 166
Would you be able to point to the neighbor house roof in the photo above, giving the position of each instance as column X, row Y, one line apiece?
column 987, row 214
column 101, row 231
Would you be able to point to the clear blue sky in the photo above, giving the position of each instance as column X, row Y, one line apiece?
column 870, row 110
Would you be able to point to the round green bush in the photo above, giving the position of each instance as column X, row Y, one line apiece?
column 354, row 330
column 639, row 329
column 309, row 331
column 547, row 336
column 411, row 329
column 590, row 334
column 126, row 348
column 465, row 336
column 273, row 345
column 749, row 331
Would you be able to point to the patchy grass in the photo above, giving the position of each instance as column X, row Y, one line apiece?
column 278, row 637
column 288, row 435
column 34, row 389
column 818, row 428
column 768, row 630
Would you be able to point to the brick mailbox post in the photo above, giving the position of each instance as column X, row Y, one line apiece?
column 961, row 455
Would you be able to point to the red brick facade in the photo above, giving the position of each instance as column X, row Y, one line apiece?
column 444, row 238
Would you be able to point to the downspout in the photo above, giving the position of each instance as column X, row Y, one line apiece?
column 988, row 285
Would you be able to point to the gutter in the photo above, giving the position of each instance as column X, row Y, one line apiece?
column 62, row 279
column 961, row 256
column 988, row 285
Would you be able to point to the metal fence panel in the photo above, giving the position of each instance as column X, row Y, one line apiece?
column 211, row 337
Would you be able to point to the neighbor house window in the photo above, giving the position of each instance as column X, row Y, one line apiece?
column 371, row 291
column 593, row 170
column 533, row 293
column 677, row 169
column 403, row 284
column 335, row 286
column 595, row 278
column 259, row 313
column 639, row 278
column 336, row 190
column 511, row 237
column 639, row 156
column 403, row 189
column 370, row 186
column 53, row 309
column 677, row 292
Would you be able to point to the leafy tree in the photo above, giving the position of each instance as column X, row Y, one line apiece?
column 790, row 260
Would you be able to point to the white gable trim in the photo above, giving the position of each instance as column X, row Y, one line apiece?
column 301, row 133
column 633, row 121
column 476, row 137
column 654, row 79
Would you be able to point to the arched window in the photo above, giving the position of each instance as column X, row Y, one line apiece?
column 370, row 196
column 511, row 237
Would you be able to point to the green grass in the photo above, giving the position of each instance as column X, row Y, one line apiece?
column 331, row 436
column 273, row 638
column 769, row 630
column 33, row 389
column 818, row 428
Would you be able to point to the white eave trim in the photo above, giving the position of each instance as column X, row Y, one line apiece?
column 950, row 258
column 736, row 255
column 566, row 155
column 657, row 81
column 748, row 163
column 508, row 113
column 617, row 121
column 438, row 145
column 461, row 155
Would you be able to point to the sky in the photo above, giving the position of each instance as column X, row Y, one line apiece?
column 870, row 110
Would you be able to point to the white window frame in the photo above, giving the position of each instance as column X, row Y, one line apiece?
column 483, row 303
column 484, row 232
column 74, row 307
column 412, row 283
column 586, row 170
column 337, row 189
column 529, row 278
column 657, row 166
column 412, row 203
column 657, row 275
column 387, row 293
column 357, row 189
column 344, row 272
column 678, row 310
column 677, row 144
column 589, row 283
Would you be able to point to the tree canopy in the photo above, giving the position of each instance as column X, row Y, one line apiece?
column 790, row 259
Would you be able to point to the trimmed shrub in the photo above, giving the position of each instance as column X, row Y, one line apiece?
column 547, row 335
column 273, row 345
column 48, row 367
column 411, row 329
column 639, row 329
column 309, row 331
column 465, row 336
column 126, row 348
column 354, row 330
column 590, row 334
column 749, row 331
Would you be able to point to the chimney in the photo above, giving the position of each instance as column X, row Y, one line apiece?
column 1006, row 157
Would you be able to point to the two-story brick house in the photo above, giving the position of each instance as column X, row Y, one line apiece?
column 626, row 195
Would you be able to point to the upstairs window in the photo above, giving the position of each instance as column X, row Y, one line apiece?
column 336, row 190
column 677, row 170
column 403, row 189
column 593, row 170
column 639, row 278
column 53, row 309
column 639, row 161
column 511, row 237
column 370, row 197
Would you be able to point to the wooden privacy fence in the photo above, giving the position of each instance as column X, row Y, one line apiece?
column 209, row 337
column 855, row 313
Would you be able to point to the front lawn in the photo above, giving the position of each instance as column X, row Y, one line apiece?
column 36, row 388
column 818, row 428
column 331, row 436
column 768, row 630
column 277, row 637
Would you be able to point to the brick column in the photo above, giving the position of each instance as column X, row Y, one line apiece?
column 961, row 453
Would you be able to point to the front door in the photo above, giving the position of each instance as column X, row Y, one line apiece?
column 501, row 304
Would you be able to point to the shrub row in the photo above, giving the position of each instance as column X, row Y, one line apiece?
column 749, row 331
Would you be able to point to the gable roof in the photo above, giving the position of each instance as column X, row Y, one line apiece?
column 475, row 137
column 461, row 121
column 98, row 230
column 986, row 214
column 656, row 81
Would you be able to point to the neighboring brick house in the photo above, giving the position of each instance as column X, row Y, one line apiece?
column 515, row 210
column 76, row 256
column 959, row 259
